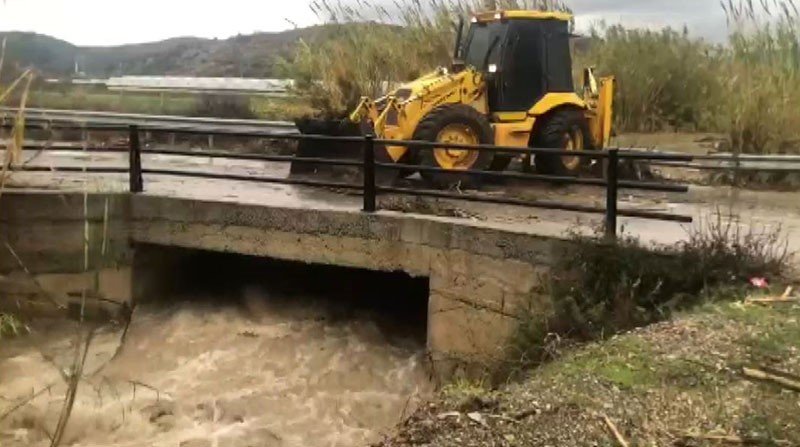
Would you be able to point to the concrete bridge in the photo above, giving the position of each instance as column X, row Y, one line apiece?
column 478, row 277
column 484, row 264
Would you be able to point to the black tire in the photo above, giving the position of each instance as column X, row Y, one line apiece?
column 500, row 162
column 428, row 130
column 552, row 134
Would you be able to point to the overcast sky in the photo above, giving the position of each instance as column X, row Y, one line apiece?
column 113, row 22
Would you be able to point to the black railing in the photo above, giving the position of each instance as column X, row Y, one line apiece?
column 368, row 166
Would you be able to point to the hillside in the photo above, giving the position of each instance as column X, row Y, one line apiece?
column 244, row 55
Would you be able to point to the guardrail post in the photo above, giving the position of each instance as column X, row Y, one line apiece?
column 135, row 160
column 737, row 167
column 369, row 173
column 612, row 178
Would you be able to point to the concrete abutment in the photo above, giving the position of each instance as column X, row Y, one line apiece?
column 479, row 277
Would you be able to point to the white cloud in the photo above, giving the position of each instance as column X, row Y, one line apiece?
column 704, row 18
column 112, row 22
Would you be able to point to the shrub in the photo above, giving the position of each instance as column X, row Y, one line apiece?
column 602, row 287
column 668, row 80
column 15, row 93
column 11, row 326
column 665, row 79
column 364, row 51
column 761, row 77
column 225, row 106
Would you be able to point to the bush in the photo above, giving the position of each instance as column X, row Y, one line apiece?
column 602, row 287
column 761, row 78
column 665, row 79
column 11, row 326
column 668, row 80
column 225, row 106
column 366, row 51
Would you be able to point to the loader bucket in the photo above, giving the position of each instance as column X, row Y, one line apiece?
column 327, row 149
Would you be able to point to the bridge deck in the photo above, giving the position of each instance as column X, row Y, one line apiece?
column 754, row 207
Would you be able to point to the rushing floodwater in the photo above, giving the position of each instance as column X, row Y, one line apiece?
column 258, row 371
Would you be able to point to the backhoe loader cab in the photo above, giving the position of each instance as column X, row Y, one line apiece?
column 523, row 57
column 509, row 85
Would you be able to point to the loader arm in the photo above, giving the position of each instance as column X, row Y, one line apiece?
column 396, row 115
column 364, row 109
column 599, row 95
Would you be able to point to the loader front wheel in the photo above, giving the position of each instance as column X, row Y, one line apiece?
column 454, row 124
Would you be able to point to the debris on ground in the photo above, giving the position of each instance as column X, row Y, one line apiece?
column 759, row 283
column 786, row 297
column 727, row 374
column 421, row 205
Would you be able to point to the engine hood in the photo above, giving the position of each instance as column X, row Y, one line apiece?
column 436, row 80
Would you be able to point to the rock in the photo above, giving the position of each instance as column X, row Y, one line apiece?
column 450, row 414
column 475, row 403
column 195, row 443
column 158, row 410
column 478, row 418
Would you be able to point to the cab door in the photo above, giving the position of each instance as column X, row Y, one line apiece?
column 520, row 81
column 536, row 60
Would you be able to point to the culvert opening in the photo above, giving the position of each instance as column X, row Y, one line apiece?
column 251, row 351
column 395, row 302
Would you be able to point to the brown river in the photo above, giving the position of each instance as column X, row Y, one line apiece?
column 247, row 370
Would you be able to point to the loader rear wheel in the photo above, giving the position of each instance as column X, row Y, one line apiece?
column 456, row 124
column 568, row 130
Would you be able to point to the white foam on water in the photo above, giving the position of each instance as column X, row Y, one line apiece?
column 270, row 372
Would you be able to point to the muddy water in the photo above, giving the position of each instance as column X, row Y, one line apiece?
column 254, row 371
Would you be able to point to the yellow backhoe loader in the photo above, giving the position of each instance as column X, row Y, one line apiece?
column 511, row 84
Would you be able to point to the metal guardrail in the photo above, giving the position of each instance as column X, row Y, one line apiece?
column 68, row 119
column 370, row 189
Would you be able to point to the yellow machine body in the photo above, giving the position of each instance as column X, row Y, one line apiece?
column 396, row 116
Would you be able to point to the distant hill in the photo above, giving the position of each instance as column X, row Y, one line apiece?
column 244, row 55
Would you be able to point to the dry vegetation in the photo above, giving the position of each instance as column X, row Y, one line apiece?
column 694, row 381
column 12, row 149
column 600, row 288
column 373, row 45
column 668, row 79
column 722, row 370
column 745, row 88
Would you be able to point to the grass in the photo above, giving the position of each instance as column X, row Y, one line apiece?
column 765, row 65
column 11, row 326
column 374, row 46
column 256, row 107
column 744, row 89
column 15, row 93
column 668, row 384
column 673, row 84
column 774, row 339
column 600, row 288
column 280, row 108
column 78, row 99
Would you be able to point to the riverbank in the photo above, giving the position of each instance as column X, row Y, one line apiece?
column 681, row 382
